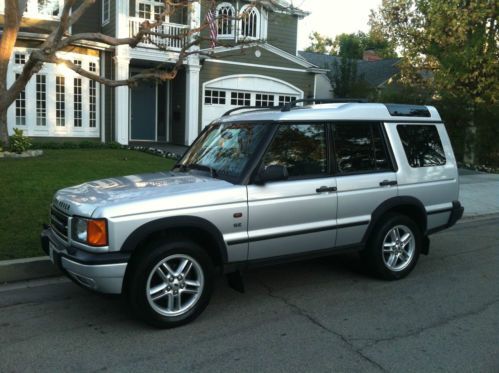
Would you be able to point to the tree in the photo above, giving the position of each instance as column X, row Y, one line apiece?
column 319, row 43
column 451, row 46
column 60, row 38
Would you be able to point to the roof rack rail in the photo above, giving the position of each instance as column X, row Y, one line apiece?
column 226, row 114
column 288, row 106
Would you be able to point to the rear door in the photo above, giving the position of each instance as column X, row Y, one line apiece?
column 297, row 215
column 366, row 176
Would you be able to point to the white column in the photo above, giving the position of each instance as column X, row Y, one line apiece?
column 192, row 104
column 121, row 96
column 192, row 80
column 122, row 22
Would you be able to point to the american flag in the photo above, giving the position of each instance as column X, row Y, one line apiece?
column 212, row 22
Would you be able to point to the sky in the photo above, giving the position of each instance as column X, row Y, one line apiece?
column 333, row 17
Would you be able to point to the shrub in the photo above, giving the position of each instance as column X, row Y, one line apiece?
column 18, row 142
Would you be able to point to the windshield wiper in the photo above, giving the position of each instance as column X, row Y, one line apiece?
column 196, row 166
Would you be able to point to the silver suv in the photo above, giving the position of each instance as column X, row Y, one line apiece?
column 260, row 186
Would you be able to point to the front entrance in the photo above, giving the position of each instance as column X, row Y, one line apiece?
column 143, row 113
column 150, row 112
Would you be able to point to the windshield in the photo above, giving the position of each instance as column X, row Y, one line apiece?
column 225, row 149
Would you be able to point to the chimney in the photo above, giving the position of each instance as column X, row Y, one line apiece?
column 370, row 55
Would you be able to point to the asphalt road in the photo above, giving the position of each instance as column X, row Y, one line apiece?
column 315, row 316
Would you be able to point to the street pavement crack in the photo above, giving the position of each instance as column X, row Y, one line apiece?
column 434, row 325
column 303, row 312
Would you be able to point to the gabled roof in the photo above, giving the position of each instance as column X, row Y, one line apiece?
column 283, row 6
column 375, row 73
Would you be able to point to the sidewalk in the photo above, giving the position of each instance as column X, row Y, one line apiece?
column 479, row 194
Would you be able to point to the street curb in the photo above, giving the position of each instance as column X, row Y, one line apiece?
column 27, row 269
column 41, row 266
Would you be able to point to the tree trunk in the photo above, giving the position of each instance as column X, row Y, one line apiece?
column 4, row 134
column 470, row 139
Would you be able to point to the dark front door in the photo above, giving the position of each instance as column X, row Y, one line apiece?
column 143, row 121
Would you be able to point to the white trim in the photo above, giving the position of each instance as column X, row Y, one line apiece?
column 253, row 10
column 192, row 104
column 255, row 65
column 51, row 71
column 104, row 20
column 233, row 21
column 102, row 114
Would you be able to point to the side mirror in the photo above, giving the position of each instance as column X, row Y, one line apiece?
column 273, row 172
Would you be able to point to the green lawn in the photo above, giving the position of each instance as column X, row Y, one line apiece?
column 27, row 187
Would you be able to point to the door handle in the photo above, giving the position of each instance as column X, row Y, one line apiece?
column 388, row 183
column 325, row 189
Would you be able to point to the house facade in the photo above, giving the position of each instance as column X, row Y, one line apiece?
column 59, row 104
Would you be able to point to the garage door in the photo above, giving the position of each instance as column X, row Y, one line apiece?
column 223, row 94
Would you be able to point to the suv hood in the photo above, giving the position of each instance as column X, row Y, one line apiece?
column 85, row 198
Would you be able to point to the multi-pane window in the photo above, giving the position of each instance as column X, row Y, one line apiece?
column 359, row 147
column 285, row 99
column 301, row 148
column 77, row 62
column 422, row 145
column 19, row 58
column 41, row 100
column 92, row 67
column 92, row 96
column 225, row 16
column 144, row 11
column 21, row 107
column 106, row 11
column 77, row 102
column 60, row 101
column 264, row 100
column 240, row 99
column 214, row 97
column 250, row 18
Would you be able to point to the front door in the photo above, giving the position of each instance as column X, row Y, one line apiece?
column 143, row 120
column 297, row 215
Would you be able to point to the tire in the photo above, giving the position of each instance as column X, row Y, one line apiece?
column 170, row 283
column 389, row 255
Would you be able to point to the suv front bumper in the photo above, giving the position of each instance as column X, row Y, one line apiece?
column 103, row 272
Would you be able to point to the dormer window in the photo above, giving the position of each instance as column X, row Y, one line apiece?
column 225, row 15
column 250, row 22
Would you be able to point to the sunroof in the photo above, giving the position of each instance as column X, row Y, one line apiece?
column 399, row 110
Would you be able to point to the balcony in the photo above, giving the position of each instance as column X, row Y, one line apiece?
column 174, row 41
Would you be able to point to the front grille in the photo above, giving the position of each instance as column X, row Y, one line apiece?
column 59, row 222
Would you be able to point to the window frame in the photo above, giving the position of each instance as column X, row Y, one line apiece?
column 232, row 22
column 327, row 141
column 425, row 124
column 106, row 6
column 258, row 19
column 392, row 166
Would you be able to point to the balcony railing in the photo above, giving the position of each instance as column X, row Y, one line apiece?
column 174, row 35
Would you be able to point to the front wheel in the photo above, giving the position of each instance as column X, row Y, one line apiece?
column 171, row 283
column 394, row 248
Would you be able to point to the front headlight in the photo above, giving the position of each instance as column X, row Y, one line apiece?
column 89, row 231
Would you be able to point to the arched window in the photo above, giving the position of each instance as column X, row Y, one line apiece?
column 225, row 16
column 250, row 22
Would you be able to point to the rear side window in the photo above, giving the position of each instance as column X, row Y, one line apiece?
column 359, row 147
column 422, row 145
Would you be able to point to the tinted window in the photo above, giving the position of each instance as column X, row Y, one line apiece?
column 301, row 148
column 422, row 145
column 359, row 147
column 225, row 148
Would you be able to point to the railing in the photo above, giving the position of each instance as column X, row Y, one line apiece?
column 171, row 36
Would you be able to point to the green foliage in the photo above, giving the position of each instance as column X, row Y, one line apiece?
column 29, row 184
column 18, row 142
column 353, row 45
column 345, row 80
column 319, row 43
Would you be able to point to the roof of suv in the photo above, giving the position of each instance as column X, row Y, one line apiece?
column 338, row 111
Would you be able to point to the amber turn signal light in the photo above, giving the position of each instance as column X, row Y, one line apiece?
column 97, row 232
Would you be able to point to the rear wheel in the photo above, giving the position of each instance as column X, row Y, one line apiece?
column 171, row 283
column 394, row 247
